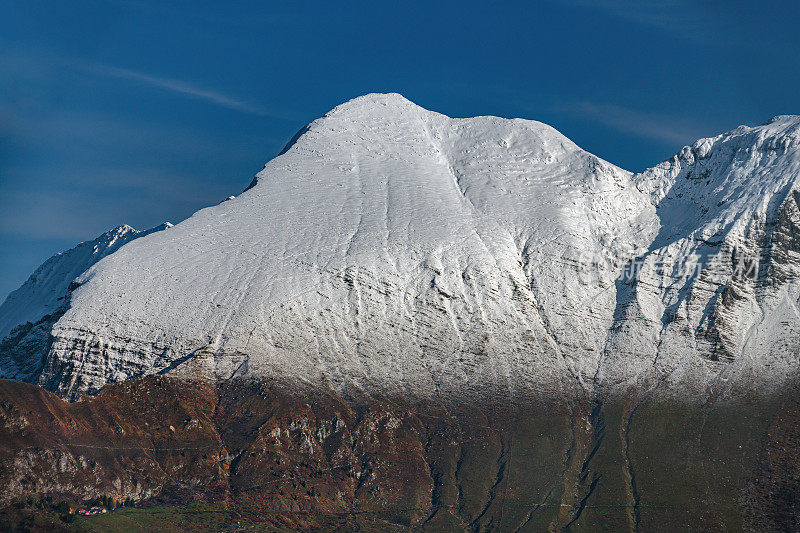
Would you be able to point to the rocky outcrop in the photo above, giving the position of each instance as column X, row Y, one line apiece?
column 315, row 459
column 28, row 314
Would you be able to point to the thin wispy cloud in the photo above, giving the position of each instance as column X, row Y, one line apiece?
column 36, row 66
column 663, row 13
column 664, row 128
column 178, row 87
column 689, row 21
column 712, row 24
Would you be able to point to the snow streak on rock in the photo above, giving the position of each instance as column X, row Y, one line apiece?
column 393, row 249
column 28, row 314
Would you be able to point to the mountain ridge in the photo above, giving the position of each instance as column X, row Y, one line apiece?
column 491, row 249
column 28, row 313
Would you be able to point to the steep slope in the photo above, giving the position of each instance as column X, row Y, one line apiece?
column 393, row 250
column 297, row 460
column 718, row 289
column 43, row 292
column 28, row 314
column 388, row 248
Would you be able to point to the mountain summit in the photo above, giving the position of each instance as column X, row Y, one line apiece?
column 396, row 250
column 411, row 322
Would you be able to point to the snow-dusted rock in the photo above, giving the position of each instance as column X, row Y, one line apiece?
column 717, row 291
column 390, row 248
column 28, row 313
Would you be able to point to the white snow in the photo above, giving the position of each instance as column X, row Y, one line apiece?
column 45, row 291
column 397, row 249
column 730, row 205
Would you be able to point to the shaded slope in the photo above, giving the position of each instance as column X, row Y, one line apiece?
column 310, row 459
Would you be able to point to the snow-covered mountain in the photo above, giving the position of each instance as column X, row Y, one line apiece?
column 393, row 249
column 717, row 291
column 28, row 313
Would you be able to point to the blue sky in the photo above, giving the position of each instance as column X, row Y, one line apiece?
column 142, row 112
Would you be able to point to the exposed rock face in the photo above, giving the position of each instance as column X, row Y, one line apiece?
column 28, row 314
column 313, row 459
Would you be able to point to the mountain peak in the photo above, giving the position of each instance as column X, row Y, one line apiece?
column 385, row 124
column 362, row 109
column 394, row 247
column 783, row 119
column 378, row 189
column 372, row 102
column 392, row 119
